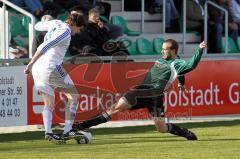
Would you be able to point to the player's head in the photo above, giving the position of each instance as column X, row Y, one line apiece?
column 76, row 22
column 169, row 49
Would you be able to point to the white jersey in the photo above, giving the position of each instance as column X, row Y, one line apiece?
column 47, row 71
column 56, row 43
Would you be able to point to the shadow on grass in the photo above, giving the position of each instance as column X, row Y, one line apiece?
column 123, row 130
column 211, row 124
column 24, row 136
column 142, row 129
column 226, row 139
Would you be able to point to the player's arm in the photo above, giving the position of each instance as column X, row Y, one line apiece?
column 42, row 26
column 188, row 65
column 61, row 35
column 36, row 56
column 46, row 45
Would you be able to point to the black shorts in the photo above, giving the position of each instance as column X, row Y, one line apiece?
column 146, row 96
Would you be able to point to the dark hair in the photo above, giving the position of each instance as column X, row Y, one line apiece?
column 174, row 44
column 78, row 8
column 76, row 19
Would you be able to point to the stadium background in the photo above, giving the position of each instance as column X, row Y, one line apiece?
column 213, row 87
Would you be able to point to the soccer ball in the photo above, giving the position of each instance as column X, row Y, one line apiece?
column 86, row 139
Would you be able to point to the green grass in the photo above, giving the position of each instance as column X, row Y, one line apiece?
column 217, row 140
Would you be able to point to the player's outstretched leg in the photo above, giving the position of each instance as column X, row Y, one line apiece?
column 102, row 118
column 179, row 131
column 54, row 138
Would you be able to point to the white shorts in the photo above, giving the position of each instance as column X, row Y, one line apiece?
column 47, row 80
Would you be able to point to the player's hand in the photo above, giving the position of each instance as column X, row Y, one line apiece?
column 28, row 69
column 203, row 45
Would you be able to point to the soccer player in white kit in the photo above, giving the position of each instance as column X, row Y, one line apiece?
column 49, row 75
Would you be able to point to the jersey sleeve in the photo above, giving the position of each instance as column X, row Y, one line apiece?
column 42, row 26
column 59, row 36
column 182, row 67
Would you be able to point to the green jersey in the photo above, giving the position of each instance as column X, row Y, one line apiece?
column 164, row 72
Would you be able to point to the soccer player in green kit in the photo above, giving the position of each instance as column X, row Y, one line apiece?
column 150, row 93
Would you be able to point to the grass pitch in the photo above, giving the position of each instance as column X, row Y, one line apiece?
column 217, row 140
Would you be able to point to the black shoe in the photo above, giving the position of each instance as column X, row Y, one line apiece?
column 191, row 136
column 73, row 134
column 54, row 138
column 77, row 126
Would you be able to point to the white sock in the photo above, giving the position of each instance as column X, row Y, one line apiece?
column 70, row 113
column 47, row 118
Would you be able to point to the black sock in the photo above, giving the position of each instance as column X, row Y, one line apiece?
column 103, row 118
column 176, row 130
